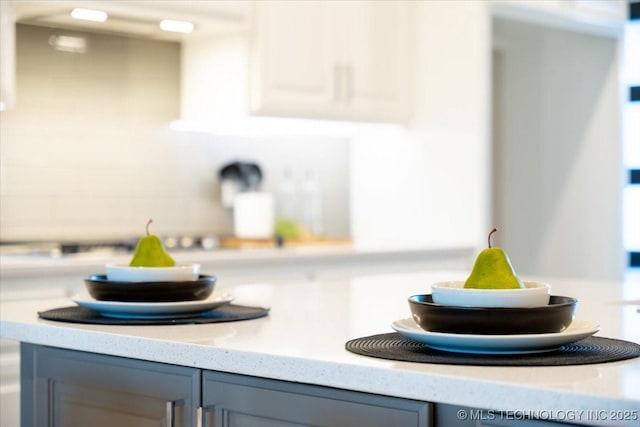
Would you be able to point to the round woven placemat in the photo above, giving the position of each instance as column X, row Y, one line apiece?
column 226, row 313
column 590, row 350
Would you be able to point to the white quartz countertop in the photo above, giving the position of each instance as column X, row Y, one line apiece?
column 303, row 340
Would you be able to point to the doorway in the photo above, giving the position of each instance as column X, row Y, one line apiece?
column 557, row 164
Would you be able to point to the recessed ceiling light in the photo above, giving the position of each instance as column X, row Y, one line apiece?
column 68, row 44
column 89, row 15
column 176, row 26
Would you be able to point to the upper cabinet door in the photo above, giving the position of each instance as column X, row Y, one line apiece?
column 377, row 69
column 337, row 60
column 291, row 59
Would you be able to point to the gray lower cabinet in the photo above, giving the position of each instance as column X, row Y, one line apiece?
column 64, row 388
column 239, row 401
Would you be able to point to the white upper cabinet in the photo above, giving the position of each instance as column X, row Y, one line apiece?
column 377, row 74
column 291, row 59
column 335, row 60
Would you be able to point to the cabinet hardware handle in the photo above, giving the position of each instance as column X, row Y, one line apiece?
column 203, row 414
column 349, row 83
column 171, row 411
column 337, row 82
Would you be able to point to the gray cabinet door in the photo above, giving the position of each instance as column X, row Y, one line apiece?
column 240, row 401
column 70, row 388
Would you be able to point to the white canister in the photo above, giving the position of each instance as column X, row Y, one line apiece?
column 253, row 215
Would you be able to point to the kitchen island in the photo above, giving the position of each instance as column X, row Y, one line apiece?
column 301, row 343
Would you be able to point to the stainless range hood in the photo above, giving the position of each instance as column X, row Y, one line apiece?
column 138, row 18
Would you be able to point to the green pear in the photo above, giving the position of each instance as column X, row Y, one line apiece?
column 287, row 229
column 493, row 270
column 150, row 252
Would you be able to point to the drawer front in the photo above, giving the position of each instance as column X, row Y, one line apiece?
column 234, row 401
column 70, row 388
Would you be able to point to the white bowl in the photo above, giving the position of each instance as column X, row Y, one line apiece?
column 454, row 293
column 178, row 273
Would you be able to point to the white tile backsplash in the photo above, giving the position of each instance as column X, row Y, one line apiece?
column 87, row 152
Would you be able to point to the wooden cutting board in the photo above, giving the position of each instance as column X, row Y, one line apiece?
column 231, row 242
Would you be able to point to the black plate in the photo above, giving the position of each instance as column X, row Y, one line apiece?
column 554, row 317
column 105, row 290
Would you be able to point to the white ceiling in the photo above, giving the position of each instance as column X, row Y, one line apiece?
column 139, row 18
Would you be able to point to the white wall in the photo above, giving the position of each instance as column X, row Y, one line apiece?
column 453, row 116
column 428, row 185
column 558, row 162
